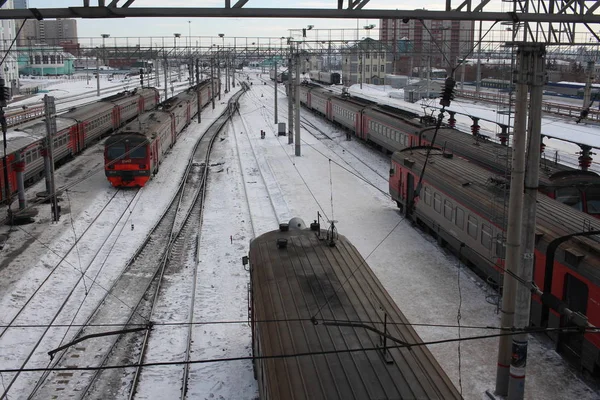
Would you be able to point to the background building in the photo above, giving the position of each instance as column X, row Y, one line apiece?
column 367, row 61
column 420, row 45
column 53, row 32
column 20, row 4
column 45, row 60
column 10, row 70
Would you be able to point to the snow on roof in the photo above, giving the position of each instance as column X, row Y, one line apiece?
column 558, row 128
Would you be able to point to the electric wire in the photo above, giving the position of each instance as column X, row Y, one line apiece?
column 293, row 355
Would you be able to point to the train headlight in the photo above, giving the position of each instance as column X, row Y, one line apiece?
column 142, row 166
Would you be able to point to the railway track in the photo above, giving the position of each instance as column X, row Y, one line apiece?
column 61, row 282
column 332, row 143
column 257, row 171
column 142, row 294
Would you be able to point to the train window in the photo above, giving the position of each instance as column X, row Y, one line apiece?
column 592, row 200
column 115, row 151
column 486, row 236
column 569, row 196
column 427, row 196
column 575, row 294
column 137, row 152
column 472, row 226
column 501, row 247
column 448, row 210
column 437, row 202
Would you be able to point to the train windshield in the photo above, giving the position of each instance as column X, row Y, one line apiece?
column 137, row 150
column 592, row 200
column 115, row 151
column 570, row 196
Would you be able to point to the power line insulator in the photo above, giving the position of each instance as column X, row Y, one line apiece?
column 448, row 92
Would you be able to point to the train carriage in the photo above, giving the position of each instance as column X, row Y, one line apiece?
column 179, row 107
column 93, row 121
column 388, row 130
column 296, row 274
column 462, row 203
column 320, row 102
column 347, row 114
column 149, row 98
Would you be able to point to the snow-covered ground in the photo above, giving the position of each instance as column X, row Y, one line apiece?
column 253, row 184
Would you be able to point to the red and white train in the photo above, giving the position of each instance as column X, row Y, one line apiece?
column 393, row 129
column 460, row 204
column 135, row 152
column 75, row 131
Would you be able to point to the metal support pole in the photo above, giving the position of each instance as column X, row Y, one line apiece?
column 587, row 91
column 166, row 65
column 7, row 193
column 290, row 99
column 97, row 77
column 233, row 60
column 212, row 82
column 50, row 115
column 275, row 86
column 297, row 98
column 478, row 75
column 198, row 91
column 516, row 384
column 515, row 216
column 157, row 73
column 20, row 169
column 219, row 71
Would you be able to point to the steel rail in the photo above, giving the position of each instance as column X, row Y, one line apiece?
column 184, row 232
column 75, row 286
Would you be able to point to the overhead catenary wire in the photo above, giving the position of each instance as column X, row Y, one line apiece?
column 291, row 355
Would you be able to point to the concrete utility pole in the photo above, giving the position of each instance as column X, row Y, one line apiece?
column 297, row 98
column 50, row 115
column 515, row 214
column 587, row 91
column 516, row 385
column 275, row 86
column 290, row 99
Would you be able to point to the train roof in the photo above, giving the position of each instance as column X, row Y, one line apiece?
column 145, row 124
column 83, row 113
column 23, row 135
column 485, row 194
column 291, row 284
column 486, row 153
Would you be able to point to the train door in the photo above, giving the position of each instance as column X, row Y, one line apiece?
column 116, row 117
column 410, row 192
column 575, row 295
